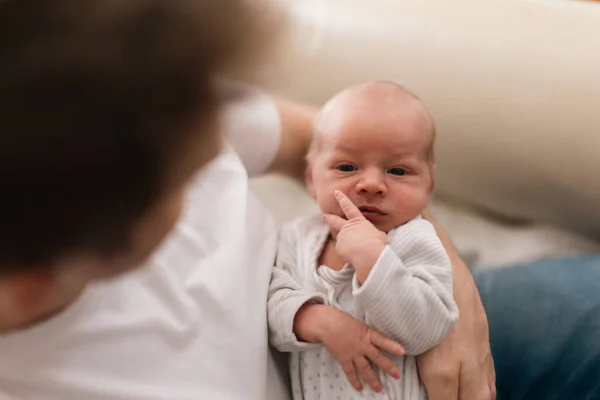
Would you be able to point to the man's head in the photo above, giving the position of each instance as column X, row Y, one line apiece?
column 374, row 142
column 107, row 108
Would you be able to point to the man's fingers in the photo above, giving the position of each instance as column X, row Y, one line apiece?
column 492, row 378
column 493, row 392
column 385, row 343
column 335, row 222
column 478, row 384
column 350, row 371
column 482, row 390
column 384, row 363
column 441, row 384
column 348, row 207
column 367, row 374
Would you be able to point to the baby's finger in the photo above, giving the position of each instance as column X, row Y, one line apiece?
column 384, row 363
column 386, row 344
column 334, row 221
column 367, row 374
column 348, row 207
column 350, row 372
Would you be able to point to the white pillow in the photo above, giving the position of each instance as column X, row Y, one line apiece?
column 513, row 85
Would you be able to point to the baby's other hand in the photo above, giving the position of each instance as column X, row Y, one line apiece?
column 355, row 346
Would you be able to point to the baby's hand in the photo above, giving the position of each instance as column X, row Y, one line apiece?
column 355, row 346
column 358, row 241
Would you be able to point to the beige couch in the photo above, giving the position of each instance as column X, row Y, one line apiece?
column 514, row 88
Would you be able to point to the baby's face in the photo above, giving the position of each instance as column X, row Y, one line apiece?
column 380, row 159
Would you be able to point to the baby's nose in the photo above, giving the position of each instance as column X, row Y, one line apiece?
column 372, row 182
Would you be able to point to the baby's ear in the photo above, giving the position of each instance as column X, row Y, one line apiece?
column 432, row 171
column 309, row 181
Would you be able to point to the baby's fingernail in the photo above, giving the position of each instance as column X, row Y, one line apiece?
column 336, row 192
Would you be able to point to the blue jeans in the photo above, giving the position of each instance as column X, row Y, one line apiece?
column 545, row 328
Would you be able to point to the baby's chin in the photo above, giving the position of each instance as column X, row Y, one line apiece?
column 389, row 224
column 388, row 228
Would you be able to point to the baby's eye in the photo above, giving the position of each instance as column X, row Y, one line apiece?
column 346, row 168
column 397, row 171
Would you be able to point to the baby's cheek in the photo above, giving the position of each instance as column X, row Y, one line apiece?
column 419, row 201
column 411, row 202
column 327, row 203
column 326, row 199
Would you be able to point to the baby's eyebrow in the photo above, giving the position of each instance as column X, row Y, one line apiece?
column 345, row 147
column 402, row 155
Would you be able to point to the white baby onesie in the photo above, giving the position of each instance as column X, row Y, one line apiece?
column 407, row 297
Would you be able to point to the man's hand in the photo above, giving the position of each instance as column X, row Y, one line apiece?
column 358, row 241
column 461, row 367
column 353, row 344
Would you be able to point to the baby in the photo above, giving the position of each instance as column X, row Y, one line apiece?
column 369, row 254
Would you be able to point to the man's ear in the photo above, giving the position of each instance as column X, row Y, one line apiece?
column 27, row 292
column 309, row 180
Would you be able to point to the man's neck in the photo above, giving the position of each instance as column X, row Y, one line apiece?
column 14, row 316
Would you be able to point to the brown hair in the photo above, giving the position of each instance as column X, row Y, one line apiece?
column 97, row 98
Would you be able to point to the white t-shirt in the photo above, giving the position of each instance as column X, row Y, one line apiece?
column 192, row 324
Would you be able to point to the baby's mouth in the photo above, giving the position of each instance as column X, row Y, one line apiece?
column 370, row 210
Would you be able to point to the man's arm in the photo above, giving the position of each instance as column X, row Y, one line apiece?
column 269, row 134
column 461, row 367
column 296, row 134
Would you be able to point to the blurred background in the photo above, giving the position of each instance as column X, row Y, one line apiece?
column 514, row 91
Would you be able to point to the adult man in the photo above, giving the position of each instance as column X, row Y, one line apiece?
column 110, row 109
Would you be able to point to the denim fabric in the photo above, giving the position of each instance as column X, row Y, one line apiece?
column 545, row 328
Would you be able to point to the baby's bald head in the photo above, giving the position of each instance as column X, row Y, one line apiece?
column 376, row 101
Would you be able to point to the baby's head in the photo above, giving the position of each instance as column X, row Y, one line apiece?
column 374, row 142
